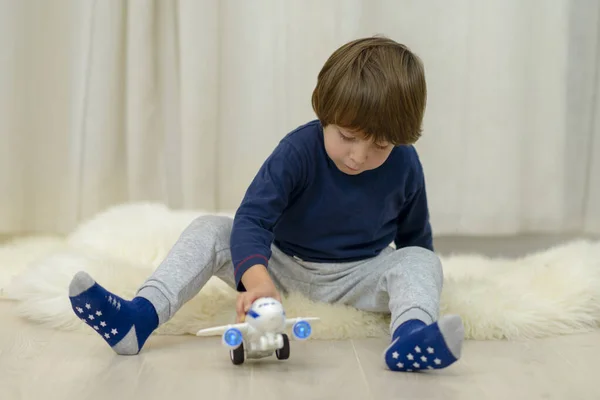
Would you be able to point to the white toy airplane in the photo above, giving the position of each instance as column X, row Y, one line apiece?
column 262, row 333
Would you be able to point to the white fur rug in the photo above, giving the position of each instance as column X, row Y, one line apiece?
column 549, row 293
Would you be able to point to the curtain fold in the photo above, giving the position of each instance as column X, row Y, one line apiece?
column 179, row 102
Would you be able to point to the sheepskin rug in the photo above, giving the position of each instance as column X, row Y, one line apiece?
column 553, row 292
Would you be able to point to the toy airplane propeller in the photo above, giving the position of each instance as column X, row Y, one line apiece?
column 262, row 333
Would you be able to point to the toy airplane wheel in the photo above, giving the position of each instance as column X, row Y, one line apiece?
column 238, row 355
column 284, row 352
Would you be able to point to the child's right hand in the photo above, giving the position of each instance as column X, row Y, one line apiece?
column 245, row 300
column 258, row 283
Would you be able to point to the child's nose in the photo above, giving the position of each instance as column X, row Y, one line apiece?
column 359, row 154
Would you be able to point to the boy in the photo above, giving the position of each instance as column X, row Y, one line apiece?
column 318, row 218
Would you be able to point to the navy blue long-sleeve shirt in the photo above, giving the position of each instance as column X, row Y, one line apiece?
column 301, row 202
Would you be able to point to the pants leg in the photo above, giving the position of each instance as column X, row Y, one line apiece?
column 406, row 282
column 202, row 251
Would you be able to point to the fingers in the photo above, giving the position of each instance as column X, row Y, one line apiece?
column 239, row 309
column 243, row 303
column 247, row 303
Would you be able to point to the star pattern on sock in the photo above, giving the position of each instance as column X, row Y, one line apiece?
column 417, row 364
column 422, row 363
column 110, row 333
column 424, row 348
column 111, row 317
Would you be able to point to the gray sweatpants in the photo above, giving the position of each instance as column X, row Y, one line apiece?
column 406, row 283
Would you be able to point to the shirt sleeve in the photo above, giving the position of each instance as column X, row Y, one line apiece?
column 279, row 179
column 414, row 227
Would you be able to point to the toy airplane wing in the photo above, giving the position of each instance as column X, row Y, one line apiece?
column 301, row 328
column 219, row 330
column 291, row 321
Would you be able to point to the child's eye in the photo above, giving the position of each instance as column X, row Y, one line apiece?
column 381, row 147
column 344, row 137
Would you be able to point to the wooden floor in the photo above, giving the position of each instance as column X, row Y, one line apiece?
column 37, row 363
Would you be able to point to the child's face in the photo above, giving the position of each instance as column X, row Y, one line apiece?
column 351, row 152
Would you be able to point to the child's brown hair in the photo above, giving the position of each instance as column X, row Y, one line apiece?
column 374, row 86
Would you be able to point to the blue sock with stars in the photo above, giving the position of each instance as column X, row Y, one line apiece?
column 417, row 346
column 124, row 325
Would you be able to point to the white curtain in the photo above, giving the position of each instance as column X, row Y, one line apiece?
column 105, row 102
